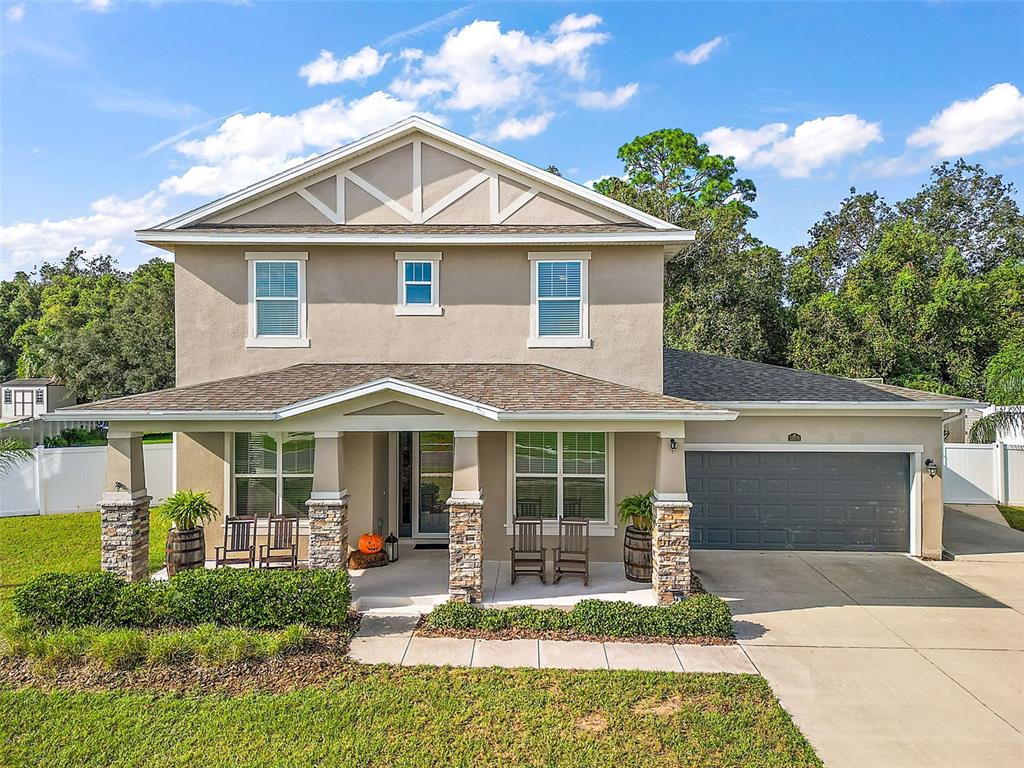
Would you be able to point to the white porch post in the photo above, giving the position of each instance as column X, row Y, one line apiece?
column 671, row 540
column 328, row 504
column 465, row 522
column 124, row 509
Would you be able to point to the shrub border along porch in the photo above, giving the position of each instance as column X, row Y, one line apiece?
column 699, row 618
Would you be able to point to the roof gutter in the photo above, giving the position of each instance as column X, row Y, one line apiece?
column 170, row 238
column 845, row 405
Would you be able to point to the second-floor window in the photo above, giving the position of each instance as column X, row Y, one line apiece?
column 418, row 280
column 277, row 299
column 559, row 300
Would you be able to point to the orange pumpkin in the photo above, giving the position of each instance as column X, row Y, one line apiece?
column 370, row 543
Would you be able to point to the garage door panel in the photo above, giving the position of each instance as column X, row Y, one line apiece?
column 799, row 500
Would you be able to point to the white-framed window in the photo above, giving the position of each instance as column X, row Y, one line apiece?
column 273, row 473
column 277, row 299
column 559, row 288
column 8, row 396
column 418, row 283
column 562, row 474
column 40, row 395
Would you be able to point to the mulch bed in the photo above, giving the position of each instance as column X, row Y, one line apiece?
column 321, row 661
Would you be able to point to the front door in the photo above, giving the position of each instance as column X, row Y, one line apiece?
column 23, row 402
column 433, row 456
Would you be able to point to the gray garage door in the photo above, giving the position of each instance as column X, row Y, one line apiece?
column 749, row 500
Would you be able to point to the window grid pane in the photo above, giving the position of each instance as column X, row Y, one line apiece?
column 537, row 453
column 296, row 492
column 277, row 279
column 558, row 279
column 583, row 453
column 583, row 497
column 297, row 453
column 255, row 453
column 255, row 496
column 417, row 294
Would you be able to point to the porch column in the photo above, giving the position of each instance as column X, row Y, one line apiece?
column 328, row 504
column 465, row 523
column 671, row 540
column 124, row 509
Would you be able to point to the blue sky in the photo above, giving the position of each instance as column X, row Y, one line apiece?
column 116, row 115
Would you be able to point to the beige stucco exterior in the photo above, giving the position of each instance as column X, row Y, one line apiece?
column 484, row 293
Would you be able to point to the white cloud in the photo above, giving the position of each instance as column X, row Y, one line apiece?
column 15, row 13
column 812, row 144
column 148, row 105
column 607, row 99
column 974, row 125
column 574, row 23
column 522, row 128
column 99, row 6
column 326, row 69
column 247, row 148
column 109, row 228
column 701, row 53
column 742, row 143
column 479, row 66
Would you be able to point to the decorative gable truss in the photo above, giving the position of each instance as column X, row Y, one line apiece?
column 416, row 180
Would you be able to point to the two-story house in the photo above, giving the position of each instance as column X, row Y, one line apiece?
column 417, row 333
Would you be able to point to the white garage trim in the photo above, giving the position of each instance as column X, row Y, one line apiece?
column 916, row 463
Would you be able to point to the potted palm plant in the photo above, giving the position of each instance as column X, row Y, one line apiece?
column 186, row 543
column 638, row 512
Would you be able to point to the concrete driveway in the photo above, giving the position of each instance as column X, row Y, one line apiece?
column 884, row 660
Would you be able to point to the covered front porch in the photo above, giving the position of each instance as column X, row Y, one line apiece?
column 418, row 581
column 453, row 464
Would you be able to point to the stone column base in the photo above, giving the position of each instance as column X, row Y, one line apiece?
column 328, row 533
column 465, row 550
column 671, row 550
column 124, row 536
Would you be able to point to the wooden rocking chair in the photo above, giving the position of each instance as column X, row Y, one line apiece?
column 239, row 543
column 528, row 553
column 282, row 542
column 572, row 555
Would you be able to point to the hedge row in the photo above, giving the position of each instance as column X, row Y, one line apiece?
column 257, row 599
column 698, row 616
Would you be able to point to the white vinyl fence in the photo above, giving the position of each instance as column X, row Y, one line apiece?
column 71, row 479
column 983, row 474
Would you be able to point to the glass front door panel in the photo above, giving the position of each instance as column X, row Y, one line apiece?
column 436, row 462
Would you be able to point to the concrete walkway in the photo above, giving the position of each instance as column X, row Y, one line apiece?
column 390, row 640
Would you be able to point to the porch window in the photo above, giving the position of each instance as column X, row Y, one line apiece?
column 273, row 473
column 418, row 275
column 562, row 474
column 277, row 299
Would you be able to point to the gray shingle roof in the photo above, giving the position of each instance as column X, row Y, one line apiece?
column 710, row 378
column 43, row 382
column 507, row 387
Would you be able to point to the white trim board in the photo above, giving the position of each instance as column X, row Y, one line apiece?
column 398, row 130
column 805, row 447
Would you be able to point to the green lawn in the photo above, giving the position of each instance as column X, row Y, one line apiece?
column 33, row 545
column 387, row 716
column 383, row 716
column 1014, row 516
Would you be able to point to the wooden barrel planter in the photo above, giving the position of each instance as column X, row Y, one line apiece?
column 636, row 554
column 185, row 549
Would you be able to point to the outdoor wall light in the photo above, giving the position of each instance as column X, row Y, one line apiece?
column 672, row 443
column 932, row 467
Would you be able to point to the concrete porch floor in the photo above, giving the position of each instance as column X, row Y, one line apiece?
column 419, row 581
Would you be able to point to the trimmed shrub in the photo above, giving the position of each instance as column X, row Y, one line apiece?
column 69, row 599
column 698, row 616
column 257, row 599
